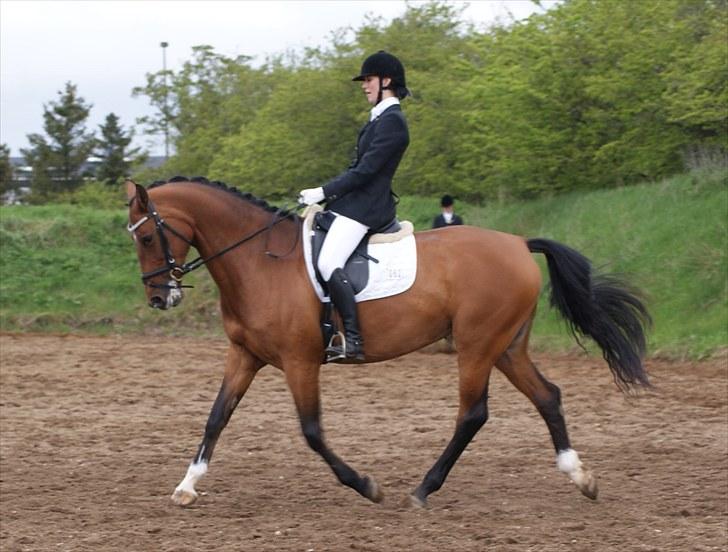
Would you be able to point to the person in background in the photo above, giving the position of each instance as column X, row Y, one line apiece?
column 361, row 197
column 448, row 216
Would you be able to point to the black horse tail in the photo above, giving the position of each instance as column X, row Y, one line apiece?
column 599, row 306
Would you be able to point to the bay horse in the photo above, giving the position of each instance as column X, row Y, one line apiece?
column 479, row 286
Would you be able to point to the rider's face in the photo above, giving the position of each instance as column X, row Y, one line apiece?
column 370, row 86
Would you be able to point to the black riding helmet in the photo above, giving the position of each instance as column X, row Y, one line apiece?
column 382, row 65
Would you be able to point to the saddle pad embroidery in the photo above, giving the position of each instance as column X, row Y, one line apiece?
column 393, row 274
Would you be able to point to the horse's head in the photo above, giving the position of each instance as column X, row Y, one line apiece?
column 162, row 241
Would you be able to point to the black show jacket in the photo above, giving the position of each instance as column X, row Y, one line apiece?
column 364, row 191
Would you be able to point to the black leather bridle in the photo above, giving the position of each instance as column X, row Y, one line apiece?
column 177, row 271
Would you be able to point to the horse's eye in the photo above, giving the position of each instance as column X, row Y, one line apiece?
column 147, row 240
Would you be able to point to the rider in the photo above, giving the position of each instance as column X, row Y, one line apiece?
column 361, row 197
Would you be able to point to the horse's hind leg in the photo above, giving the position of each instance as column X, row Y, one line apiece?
column 472, row 415
column 518, row 368
column 240, row 369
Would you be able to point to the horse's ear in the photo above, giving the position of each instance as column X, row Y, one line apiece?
column 135, row 190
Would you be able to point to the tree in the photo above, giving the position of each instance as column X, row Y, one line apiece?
column 696, row 94
column 161, row 97
column 6, row 169
column 113, row 149
column 208, row 99
column 58, row 158
column 587, row 94
column 574, row 98
column 294, row 142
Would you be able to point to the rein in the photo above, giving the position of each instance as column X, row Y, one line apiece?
column 176, row 271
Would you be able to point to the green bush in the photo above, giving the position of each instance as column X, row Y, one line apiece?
column 94, row 194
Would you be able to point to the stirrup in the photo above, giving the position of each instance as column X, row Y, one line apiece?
column 339, row 352
column 336, row 352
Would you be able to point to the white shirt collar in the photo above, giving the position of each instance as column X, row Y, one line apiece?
column 378, row 109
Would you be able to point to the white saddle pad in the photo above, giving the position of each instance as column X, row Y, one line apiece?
column 394, row 273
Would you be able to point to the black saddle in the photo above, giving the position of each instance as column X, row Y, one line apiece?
column 357, row 266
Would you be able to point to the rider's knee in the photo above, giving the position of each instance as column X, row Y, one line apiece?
column 326, row 268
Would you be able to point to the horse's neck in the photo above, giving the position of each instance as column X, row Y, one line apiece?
column 219, row 225
column 222, row 222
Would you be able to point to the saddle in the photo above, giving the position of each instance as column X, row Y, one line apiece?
column 383, row 264
column 357, row 266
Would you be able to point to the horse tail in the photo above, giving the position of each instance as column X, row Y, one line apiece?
column 600, row 306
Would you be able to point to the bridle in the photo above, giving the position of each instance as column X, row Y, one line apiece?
column 176, row 271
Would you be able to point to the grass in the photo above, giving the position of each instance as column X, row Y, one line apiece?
column 67, row 268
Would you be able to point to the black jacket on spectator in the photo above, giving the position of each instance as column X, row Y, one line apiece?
column 364, row 191
column 439, row 221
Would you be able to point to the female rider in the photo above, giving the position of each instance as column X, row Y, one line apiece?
column 361, row 197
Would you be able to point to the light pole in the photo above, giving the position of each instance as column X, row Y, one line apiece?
column 166, row 106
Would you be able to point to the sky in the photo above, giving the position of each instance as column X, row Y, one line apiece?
column 105, row 47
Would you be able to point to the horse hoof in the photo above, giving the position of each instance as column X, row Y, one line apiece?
column 413, row 501
column 588, row 485
column 374, row 493
column 183, row 498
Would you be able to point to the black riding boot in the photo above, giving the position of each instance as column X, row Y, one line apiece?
column 342, row 295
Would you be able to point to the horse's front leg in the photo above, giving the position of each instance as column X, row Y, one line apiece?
column 303, row 380
column 240, row 369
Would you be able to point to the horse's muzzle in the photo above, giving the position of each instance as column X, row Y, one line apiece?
column 163, row 301
column 157, row 302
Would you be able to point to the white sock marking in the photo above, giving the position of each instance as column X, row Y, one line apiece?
column 194, row 473
column 568, row 461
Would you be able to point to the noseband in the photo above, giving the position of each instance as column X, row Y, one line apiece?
column 177, row 271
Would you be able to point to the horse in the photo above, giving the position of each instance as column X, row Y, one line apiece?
column 476, row 285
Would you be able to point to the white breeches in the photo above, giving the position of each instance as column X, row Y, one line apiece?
column 341, row 240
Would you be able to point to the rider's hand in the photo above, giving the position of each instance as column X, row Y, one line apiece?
column 310, row 196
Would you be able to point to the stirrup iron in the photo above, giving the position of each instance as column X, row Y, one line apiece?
column 333, row 351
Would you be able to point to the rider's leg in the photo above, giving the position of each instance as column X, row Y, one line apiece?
column 342, row 294
column 341, row 240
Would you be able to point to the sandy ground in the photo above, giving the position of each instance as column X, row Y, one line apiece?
column 97, row 432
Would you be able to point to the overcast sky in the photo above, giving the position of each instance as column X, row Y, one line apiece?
column 106, row 47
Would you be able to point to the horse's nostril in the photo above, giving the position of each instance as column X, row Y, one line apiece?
column 156, row 302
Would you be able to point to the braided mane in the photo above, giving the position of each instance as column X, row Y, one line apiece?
column 246, row 196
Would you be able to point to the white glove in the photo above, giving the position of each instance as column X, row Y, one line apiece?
column 310, row 196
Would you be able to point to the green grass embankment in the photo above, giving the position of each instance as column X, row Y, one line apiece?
column 73, row 269
column 668, row 239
